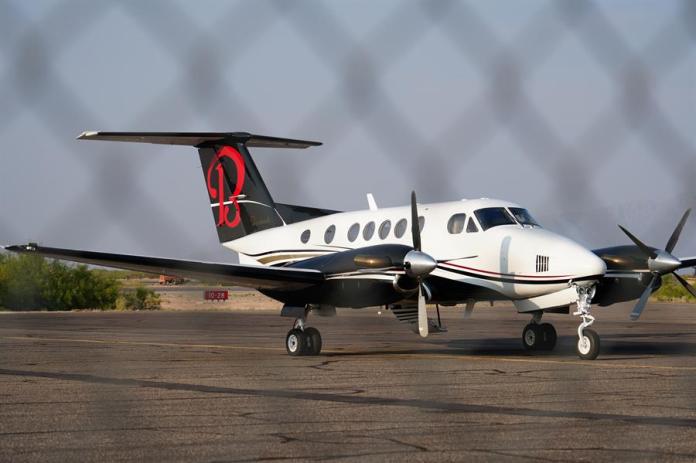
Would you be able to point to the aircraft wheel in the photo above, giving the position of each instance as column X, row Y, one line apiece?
column 548, row 336
column 532, row 337
column 588, row 345
column 296, row 342
column 313, row 341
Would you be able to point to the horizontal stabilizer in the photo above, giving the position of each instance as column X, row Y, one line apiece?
column 199, row 139
column 232, row 274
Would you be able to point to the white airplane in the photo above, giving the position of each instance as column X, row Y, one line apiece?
column 459, row 252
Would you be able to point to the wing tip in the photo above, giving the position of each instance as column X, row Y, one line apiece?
column 30, row 247
column 87, row 134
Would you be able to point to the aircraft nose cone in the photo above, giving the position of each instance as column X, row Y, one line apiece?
column 598, row 266
column 590, row 264
column 664, row 263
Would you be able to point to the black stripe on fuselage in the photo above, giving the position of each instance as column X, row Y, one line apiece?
column 517, row 280
column 327, row 251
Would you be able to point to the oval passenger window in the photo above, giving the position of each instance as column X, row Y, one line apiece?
column 329, row 234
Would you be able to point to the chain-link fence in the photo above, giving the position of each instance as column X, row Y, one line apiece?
column 581, row 111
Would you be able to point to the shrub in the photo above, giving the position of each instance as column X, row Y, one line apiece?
column 31, row 282
column 671, row 290
column 3, row 281
column 139, row 299
column 78, row 288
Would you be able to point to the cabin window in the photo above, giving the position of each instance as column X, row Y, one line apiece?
column 400, row 228
column 490, row 217
column 421, row 223
column 368, row 231
column 384, row 229
column 353, row 232
column 304, row 237
column 329, row 234
column 455, row 225
column 471, row 226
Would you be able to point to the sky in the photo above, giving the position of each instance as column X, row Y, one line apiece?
column 582, row 112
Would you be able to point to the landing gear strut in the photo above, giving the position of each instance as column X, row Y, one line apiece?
column 539, row 336
column 301, row 339
column 588, row 340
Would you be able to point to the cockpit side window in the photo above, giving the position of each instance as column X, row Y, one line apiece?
column 490, row 217
column 524, row 217
column 471, row 226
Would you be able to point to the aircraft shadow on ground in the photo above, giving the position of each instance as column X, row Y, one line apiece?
column 512, row 347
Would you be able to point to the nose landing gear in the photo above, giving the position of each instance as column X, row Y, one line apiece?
column 588, row 340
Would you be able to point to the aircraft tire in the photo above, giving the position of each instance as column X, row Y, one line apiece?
column 548, row 336
column 532, row 337
column 296, row 342
column 313, row 341
column 588, row 345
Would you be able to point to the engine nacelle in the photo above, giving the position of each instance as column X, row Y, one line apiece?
column 405, row 284
column 613, row 290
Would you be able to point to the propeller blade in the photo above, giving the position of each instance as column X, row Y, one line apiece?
column 677, row 231
column 688, row 262
column 640, row 305
column 415, row 228
column 442, row 261
column 639, row 243
column 685, row 284
column 422, row 313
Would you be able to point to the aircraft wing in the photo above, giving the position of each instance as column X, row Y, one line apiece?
column 251, row 276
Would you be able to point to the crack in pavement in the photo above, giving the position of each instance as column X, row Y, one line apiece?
column 453, row 407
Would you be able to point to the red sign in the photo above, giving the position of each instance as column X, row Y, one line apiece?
column 216, row 295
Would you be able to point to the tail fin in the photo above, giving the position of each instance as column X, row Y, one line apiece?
column 239, row 199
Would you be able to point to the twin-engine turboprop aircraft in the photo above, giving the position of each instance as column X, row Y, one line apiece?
column 459, row 252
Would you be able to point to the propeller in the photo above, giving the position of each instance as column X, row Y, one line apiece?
column 661, row 262
column 415, row 263
column 418, row 265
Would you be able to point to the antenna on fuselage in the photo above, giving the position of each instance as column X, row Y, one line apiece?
column 371, row 203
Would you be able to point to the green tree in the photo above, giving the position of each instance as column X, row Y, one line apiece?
column 24, row 276
column 30, row 282
column 3, row 281
column 78, row 288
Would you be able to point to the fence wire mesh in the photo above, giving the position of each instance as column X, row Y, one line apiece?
column 580, row 110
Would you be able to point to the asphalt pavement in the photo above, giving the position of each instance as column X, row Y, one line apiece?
column 218, row 386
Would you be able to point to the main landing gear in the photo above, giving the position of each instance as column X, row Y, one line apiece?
column 303, row 340
column 539, row 336
column 588, row 340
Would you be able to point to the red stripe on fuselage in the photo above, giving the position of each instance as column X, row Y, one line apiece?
column 505, row 274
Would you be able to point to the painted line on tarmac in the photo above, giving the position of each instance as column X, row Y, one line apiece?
column 378, row 356
column 587, row 363
column 139, row 343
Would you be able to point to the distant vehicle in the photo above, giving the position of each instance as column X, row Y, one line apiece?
column 315, row 260
column 171, row 280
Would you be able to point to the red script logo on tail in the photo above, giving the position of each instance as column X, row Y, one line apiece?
column 215, row 179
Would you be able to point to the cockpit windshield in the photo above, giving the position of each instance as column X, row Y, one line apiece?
column 493, row 216
column 524, row 217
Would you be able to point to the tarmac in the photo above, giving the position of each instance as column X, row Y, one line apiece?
column 219, row 386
